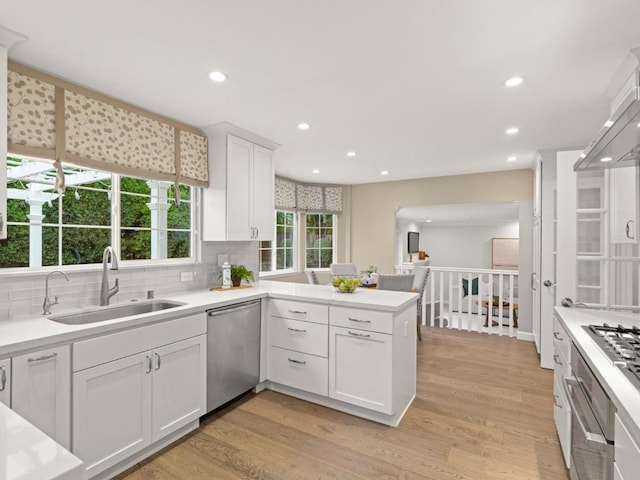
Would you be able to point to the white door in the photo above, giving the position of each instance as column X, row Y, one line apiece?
column 537, row 234
column 41, row 391
column 239, row 159
column 262, row 191
column 112, row 411
column 5, row 381
column 360, row 368
column 179, row 385
column 565, row 228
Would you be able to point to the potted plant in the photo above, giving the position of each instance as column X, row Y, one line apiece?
column 239, row 273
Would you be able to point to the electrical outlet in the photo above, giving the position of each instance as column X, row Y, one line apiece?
column 222, row 258
column 186, row 276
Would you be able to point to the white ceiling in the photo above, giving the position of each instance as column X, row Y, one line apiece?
column 461, row 214
column 414, row 86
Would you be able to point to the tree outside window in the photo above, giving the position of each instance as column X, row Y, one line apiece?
column 319, row 240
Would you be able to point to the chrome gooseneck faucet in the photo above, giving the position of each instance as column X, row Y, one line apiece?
column 105, row 292
column 46, row 305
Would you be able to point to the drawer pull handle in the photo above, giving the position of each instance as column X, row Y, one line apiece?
column 555, row 360
column 300, row 312
column 3, row 378
column 44, row 357
column 149, row 365
column 557, row 336
column 158, row 362
column 358, row 334
column 555, row 401
column 296, row 330
column 299, row 362
column 358, row 320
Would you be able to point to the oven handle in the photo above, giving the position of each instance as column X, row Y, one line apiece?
column 592, row 438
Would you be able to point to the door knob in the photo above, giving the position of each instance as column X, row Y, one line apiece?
column 549, row 283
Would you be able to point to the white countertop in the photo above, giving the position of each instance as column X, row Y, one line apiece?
column 624, row 394
column 28, row 454
column 30, row 333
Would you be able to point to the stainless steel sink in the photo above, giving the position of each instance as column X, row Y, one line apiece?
column 100, row 314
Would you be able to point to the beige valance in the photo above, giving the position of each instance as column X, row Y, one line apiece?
column 51, row 118
column 292, row 195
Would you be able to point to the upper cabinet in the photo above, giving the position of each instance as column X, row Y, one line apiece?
column 238, row 205
column 624, row 204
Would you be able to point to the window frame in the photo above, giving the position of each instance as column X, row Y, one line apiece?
column 274, row 248
column 334, row 242
column 115, row 230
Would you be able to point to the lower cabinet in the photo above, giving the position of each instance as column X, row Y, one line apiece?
column 41, row 391
column 5, row 381
column 561, row 406
column 298, row 370
column 126, row 404
column 360, row 368
column 626, row 451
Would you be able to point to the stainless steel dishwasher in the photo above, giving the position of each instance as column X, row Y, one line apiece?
column 233, row 352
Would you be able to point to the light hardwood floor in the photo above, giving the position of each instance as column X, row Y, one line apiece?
column 483, row 410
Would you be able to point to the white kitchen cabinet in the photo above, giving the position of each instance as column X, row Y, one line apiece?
column 627, row 450
column 41, row 391
column 360, row 365
column 561, row 406
column 238, row 204
column 624, row 204
column 5, row 381
column 133, row 388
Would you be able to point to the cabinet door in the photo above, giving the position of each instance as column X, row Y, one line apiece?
column 239, row 160
column 624, row 204
column 41, row 391
column 360, row 368
column 5, row 381
column 562, row 418
column 179, row 385
column 112, row 411
column 262, row 191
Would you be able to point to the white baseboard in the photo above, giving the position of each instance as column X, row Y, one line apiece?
column 526, row 336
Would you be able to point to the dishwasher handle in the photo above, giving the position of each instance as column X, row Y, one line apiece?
column 231, row 308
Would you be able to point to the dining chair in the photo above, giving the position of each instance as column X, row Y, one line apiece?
column 399, row 283
column 343, row 269
column 420, row 285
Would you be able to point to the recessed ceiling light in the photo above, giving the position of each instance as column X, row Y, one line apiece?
column 217, row 76
column 384, row 172
column 512, row 130
column 351, row 154
column 606, row 159
column 304, row 126
column 512, row 158
column 608, row 123
column 638, row 125
column 428, row 221
column 514, row 81
column 315, row 170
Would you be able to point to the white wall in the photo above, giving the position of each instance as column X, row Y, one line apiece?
column 462, row 245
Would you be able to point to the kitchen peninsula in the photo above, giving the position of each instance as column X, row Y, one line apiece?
column 359, row 357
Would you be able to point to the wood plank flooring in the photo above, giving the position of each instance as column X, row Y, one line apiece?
column 483, row 410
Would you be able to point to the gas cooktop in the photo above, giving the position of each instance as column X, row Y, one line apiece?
column 622, row 345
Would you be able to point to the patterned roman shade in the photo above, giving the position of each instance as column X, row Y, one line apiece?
column 51, row 118
column 292, row 195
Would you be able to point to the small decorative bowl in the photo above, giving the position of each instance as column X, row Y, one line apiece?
column 345, row 283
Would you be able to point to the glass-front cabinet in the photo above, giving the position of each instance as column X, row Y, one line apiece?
column 607, row 250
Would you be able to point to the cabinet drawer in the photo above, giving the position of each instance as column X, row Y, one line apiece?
column 304, row 337
column 309, row 312
column 627, row 452
column 299, row 370
column 562, row 418
column 561, row 341
column 361, row 319
column 107, row 348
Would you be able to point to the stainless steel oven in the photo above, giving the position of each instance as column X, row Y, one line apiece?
column 592, row 423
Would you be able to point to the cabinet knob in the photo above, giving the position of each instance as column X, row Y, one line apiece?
column 628, row 229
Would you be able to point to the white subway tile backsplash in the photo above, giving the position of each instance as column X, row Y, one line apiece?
column 23, row 295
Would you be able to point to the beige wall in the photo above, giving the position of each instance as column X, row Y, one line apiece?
column 372, row 208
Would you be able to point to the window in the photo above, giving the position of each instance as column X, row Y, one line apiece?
column 279, row 255
column 45, row 228
column 320, row 240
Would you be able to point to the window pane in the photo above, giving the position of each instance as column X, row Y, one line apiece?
column 84, row 245
column 179, row 216
column 86, row 207
column 134, row 211
column 178, row 244
column 50, row 244
column 14, row 251
column 135, row 244
column 319, row 240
